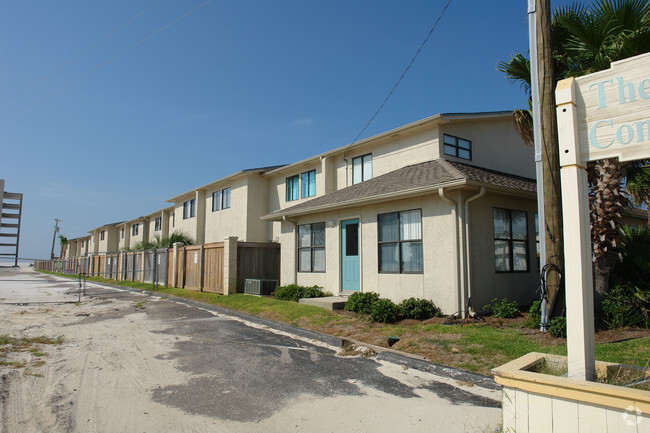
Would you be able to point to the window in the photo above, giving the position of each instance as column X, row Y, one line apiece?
column 458, row 147
column 122, row 233
column 362, row 168
column 225, row 198
column 216, row 201
column 510, row 240
column 221, row 199
column 101, row 235
column 157, row 224
column 311, row 247
column 292, row 188
column 308, row 182
column 400, row 242
column 189, row 209
column 82, row 244
column 134, row 229
column 173, row 219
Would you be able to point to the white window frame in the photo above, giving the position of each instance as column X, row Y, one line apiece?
column 361, row 168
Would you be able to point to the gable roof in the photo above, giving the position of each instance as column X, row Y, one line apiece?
column 410, row 181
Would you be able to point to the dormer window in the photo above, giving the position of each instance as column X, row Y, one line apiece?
column 458, row 147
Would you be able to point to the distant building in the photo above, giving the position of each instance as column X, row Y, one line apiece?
column 11, row 205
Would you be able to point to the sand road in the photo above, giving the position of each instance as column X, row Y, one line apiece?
column 130, row 362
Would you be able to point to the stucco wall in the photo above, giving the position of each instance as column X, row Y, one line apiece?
column 142, row 233
column 186, row 226
column 437, row 282
column 111, row 240
column 227, row 222
column 277, row 185
column 391, row 153
column 152, row 225
column 486, row 282
column 257, row 206
column 123, row 242
column 440, row 279
column 495, row 145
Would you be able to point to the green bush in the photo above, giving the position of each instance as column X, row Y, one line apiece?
column 361, row 302
column 503, row 309
column 625, row 305
column 534, row 315
column 294, row 292
column 418, row 309
column 384, row 311
column 557, row 327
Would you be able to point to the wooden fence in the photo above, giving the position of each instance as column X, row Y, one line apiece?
column 208, row 268
column 257, row 261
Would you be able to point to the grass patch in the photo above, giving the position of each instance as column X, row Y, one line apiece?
column 10, row 346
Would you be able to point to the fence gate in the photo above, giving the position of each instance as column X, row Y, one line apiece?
column 22, row 285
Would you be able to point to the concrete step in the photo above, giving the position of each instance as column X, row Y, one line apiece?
column 328, row 302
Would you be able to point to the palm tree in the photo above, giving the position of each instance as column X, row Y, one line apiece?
column 586, row 39
column 638, row 186
column 63, row 241
column 165, row 242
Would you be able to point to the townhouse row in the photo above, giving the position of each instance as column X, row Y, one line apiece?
column 443, row 208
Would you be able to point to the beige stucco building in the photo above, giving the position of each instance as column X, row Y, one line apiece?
column 77, row 247
column 442, row 209
column 104, row 239
column 230, row 206
column 158, row 223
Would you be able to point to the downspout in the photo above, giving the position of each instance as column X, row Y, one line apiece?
column 295, row 267
column 468, row 282
column 459, row 267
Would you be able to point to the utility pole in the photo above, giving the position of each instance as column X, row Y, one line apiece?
column 56, row 230
column 546, row 145
column 537, row 133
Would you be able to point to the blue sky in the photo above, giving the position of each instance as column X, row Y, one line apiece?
column 99, row 135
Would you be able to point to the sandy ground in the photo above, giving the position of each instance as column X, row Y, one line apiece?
column 105, row 374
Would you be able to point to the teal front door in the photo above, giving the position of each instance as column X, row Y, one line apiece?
column 350, row 263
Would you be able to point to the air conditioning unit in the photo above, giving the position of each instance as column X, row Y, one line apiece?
column 260, row 287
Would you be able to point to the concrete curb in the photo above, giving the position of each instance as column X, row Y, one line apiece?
column 438, row 369
column 389, row 355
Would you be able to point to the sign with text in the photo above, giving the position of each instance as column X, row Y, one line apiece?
column 601, row 115
column 614, row 111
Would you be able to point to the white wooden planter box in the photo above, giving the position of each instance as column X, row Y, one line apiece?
column 535, row 402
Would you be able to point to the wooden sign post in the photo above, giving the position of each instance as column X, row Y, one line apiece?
column 601, row 115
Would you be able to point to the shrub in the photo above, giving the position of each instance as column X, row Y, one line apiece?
column 418, row 309
column 294, row 292
column 557, row 327
column 361, row 302
column 625, row 305
column 384, row 311
column 534, row 315
column 503, row 309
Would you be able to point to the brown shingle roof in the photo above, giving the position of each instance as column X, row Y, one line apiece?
column 421, row 177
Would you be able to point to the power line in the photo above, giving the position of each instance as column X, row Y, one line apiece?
column 403, row 74
column 75, row 224
column 65, row 86
column 79, row 54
